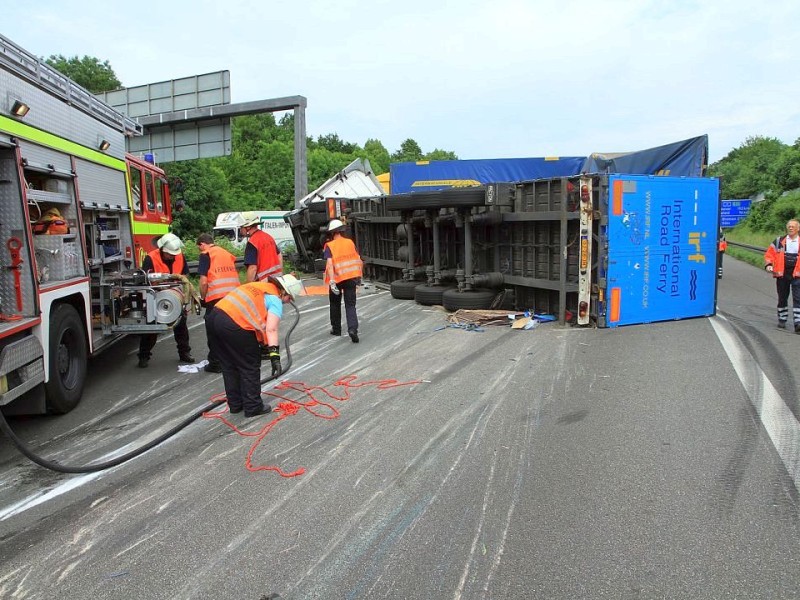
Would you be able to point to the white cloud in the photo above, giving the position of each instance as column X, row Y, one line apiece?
column 484, row 79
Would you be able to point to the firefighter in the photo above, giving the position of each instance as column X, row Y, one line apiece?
column 51, row 223
column 167, row 258
column 262, row 259
column 343, row 273
column 218, row 276
column 780, row 259
column 242, row 322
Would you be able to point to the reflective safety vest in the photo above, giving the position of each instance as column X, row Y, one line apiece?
column 245, row 306
column 269, row 260
column 159, row 266
column 345, row 258
column 222, row 275
column 776, row 256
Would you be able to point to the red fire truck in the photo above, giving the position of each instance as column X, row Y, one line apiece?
column 77, row 214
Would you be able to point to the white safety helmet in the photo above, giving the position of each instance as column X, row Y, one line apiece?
column 335, row 225
column 291, row 285
column 170, row 243
column 250, row 218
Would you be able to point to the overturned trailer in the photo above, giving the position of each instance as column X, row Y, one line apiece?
column 608, row 249
column 617, row 239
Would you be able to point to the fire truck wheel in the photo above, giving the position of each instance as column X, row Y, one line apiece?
column 403, row 289
column 470, row 299
column 68, row 359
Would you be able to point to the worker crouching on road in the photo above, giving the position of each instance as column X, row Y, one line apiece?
column 243, row 321
column 262, row 259
column 343, row 272
column 780, row 259
column 218, row 276
column 168, row 258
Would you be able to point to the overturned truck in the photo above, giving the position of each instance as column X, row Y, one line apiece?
column 604, row 249
column 607, row 249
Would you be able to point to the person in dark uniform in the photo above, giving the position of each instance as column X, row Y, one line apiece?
column 168, row 258
column 218, row 276
column 241, row 323
column 262, row 259
column 343, row 272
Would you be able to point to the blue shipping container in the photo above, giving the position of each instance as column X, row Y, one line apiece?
column 662, row 248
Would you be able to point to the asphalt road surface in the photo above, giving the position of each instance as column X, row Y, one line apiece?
column 426, row 462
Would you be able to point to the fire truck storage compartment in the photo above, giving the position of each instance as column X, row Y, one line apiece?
column 13, row 227
column 58, row 257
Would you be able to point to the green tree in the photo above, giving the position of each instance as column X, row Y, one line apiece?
column 441, row 155
column 409, row 152
column 751, row 168
column 787, row 169
column 377, row 155
column 88, row 72
column 333, row 143
column 205, row 194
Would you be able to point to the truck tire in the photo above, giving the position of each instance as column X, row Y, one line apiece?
column 429, row 295
column 470, row 299
column 68, row 359
column 402, row 289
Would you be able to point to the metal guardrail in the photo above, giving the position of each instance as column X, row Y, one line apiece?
column 747, row 247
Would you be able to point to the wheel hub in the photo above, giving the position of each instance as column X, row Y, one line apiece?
column 62, row 358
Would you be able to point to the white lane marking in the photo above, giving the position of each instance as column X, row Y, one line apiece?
column 780, row 423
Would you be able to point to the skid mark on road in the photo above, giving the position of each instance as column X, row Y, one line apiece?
column 779, row 422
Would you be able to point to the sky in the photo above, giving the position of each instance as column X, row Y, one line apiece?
column 483, row 79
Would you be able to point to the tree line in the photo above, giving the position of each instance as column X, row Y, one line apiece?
column 259, row 174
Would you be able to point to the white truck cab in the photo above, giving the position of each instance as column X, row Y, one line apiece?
column 229, row 225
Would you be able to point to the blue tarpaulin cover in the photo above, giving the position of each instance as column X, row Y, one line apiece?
column 686, row 158
column 445, row 174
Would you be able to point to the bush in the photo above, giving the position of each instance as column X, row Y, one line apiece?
column 192, row 252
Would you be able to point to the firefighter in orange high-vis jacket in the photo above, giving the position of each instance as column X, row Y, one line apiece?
column 343, row 272
column 218, row 276
column 781, row 260
column 242, row 322
column 168, row 258
column 262, row 259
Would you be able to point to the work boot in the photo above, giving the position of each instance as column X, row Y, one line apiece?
column 212, row 368
column 186, row 357
column 353, row 335
column 264, row 410
column 781, row 324
column 143, row 362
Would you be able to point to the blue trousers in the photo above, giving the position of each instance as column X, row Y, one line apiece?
column 347, row 290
